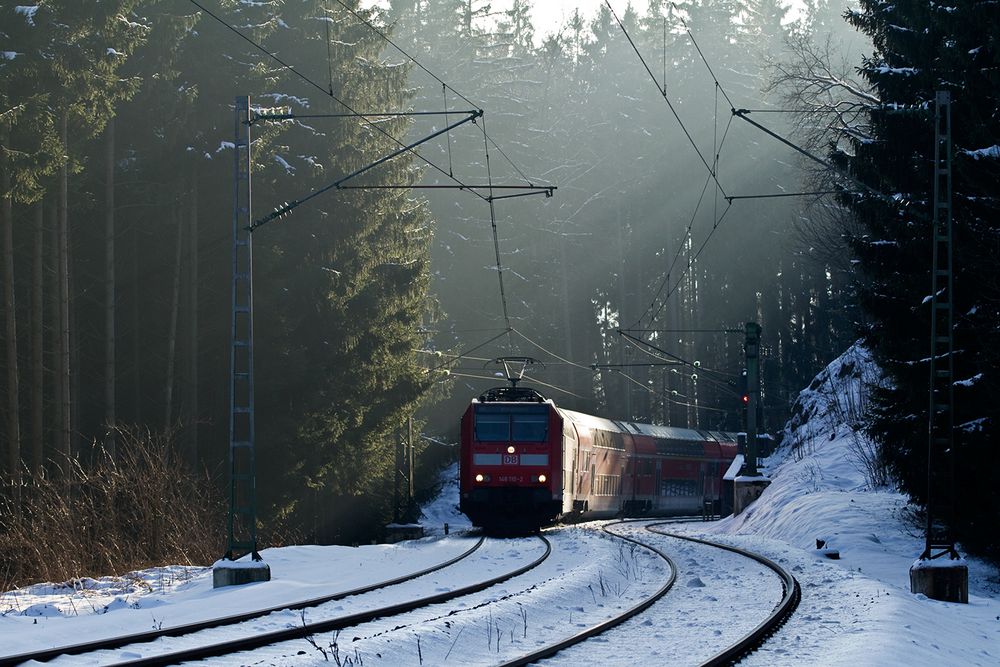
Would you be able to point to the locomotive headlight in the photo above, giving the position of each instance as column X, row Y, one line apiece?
column 510, row 450
column 479, row 477
column 542, row 478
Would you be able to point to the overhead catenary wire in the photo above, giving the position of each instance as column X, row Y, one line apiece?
column 287, row 207
column 549, row 352
column 638, row 343
column 743, row 113
column 666, row 397
column 496, row 235
column 434, row 76
column 666, row 99
column 329, row 47
column 470, row 350
column 725, row 331
column 556, row 387
column 493, row 378
column 487, row 141
column 702, row 55
column 673, row 262
column 778, row 195
column 438, row 353
column 328, row 93
column 444, row 94
column 713, row 169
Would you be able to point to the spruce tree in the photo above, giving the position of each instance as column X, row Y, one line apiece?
column 919, row 49
column 341, row 283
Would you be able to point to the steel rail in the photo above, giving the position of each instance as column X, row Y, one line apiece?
column 188, row 628
column 307, row 629
column 594, row 630
column 782, row 611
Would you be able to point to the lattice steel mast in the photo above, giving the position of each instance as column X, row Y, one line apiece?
column 242, row 537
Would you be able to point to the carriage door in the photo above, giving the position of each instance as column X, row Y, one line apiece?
column 657, row 488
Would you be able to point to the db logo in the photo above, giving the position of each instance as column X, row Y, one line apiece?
column 510, row 459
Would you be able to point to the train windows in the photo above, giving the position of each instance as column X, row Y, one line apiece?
column 492, row 427
column 520, row 423
column 680, row 487
column 530, row 427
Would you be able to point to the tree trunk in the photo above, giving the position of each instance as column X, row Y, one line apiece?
column 38, row 345
column 174, row 308
column 10, row 329
column 110, row 299
column 192, row 392
column 137, row 333
column 66, row 427
column 55, row 350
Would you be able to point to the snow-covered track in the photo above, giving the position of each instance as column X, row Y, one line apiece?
column 598, row 628
column 260, row 639
column 232, row 619
column 781, row 612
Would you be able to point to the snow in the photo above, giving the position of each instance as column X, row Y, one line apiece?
column 970, row 381
column 856, row 610
column 444, row 508
column 990, row 152
column 974, row 425
column 279, row 98
column 244, row 563
column 289, row 169
column 885, row 69
column 28, row 11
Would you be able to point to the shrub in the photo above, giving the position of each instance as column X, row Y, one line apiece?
column 145, row 508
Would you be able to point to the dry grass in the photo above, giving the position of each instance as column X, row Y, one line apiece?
column 147, row 508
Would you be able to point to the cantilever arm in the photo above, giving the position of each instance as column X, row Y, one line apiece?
column 287, row 207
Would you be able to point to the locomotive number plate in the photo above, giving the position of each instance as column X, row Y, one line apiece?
column 511, row 459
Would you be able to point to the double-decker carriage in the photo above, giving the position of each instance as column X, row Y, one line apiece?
column 525, row 462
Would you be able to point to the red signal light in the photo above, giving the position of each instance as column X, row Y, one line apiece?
column 746, row 399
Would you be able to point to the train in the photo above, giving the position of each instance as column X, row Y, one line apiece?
column 524, row 463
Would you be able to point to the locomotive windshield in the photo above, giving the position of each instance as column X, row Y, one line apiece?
column 517, row 423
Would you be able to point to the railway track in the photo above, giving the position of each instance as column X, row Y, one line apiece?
column 120, row 641
column 540, row 593
column 791, row 595
column 256, row 638
column 729, row 655
column 598, row 628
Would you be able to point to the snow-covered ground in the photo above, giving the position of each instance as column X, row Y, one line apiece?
column 857, row 610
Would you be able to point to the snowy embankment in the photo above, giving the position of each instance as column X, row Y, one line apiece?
column 443, row 510
column 857, row 610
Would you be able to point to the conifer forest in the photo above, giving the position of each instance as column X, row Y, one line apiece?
column 675, row 170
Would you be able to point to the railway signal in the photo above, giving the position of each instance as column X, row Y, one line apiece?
column 750, row 483
column 743, row 391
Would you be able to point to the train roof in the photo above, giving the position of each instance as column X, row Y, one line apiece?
column 511, row 395
column 665, row 432
column 589, row 421
column 651, row 430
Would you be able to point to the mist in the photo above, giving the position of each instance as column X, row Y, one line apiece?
column 639, row 233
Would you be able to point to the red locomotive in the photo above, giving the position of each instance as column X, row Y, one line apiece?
column 525, row 462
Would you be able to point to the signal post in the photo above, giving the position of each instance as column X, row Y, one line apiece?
column 749, row 484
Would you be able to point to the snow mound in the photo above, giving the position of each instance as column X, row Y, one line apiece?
column 444, row 508
column 822, row 488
